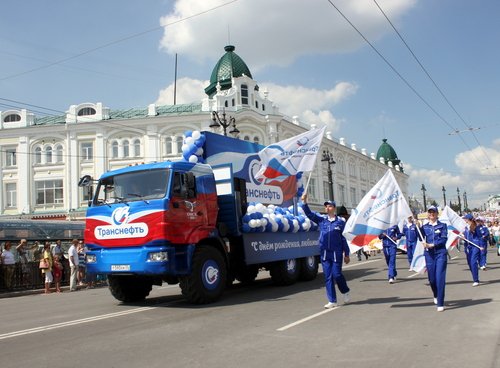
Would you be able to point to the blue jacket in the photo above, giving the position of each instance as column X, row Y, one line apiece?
column 435, row 234
column 393, row 233
column 484, row 235
column 473, row 236
column 411, row 234
column 332, row 244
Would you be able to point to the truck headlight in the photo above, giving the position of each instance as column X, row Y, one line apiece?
column 90, row 258
column 158, row 257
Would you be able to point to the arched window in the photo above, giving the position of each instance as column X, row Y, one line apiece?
column 256, row 140
column 263, row 107
column 48, row 154
column 38, row 155
column 126, row 148
column 226, row 103
column 114, row 149
column 137, row 147
column 11, row 118
column 256, row 104
column 246, row 138
column 58, row 153
column 179, row 141
column 86, row 111
column 168, row 146
column 232, row 102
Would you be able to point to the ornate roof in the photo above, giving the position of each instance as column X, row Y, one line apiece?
column 229, row 65
column 388, row 153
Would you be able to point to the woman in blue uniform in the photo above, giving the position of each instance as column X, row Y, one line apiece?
column 484, row 238
column 435, row 235
column 472, row 251
column 390, row 239
column 333, row 250
column 411, row 234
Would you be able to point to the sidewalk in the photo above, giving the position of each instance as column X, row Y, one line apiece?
column 24, row 292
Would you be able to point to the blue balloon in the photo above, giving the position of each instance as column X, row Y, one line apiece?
column 269, row 227
column 246, row 218
column 246, row 228
column 299, row 175
column 188, row 133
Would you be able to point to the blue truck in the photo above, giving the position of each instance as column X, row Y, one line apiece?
column 196, row 224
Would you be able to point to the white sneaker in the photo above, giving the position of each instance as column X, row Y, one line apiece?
column 347, row 298
column 475, row 284
column 435, row 301
column 330, row 305
column 391, row 281
column 440, row 309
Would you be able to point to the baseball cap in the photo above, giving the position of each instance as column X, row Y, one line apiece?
column 468, row 217
column 432, row 208
column 330, row 203
column 480, row 218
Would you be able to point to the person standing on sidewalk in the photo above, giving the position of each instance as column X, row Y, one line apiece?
column 8, row 265
column 47, row 255
column 333, row 250
column 73, row 263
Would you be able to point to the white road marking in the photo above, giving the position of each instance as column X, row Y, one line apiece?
column 308, row 318
column 74, row 322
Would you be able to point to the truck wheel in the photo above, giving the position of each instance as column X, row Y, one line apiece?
column 207, row 280
column 285, row 272
column 308, row 268
column 247, row 274
column 129, row 288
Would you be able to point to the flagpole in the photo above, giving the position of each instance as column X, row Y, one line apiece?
column 307, row 184
column 468, row 241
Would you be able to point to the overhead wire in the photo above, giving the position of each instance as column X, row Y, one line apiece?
column 469, row 128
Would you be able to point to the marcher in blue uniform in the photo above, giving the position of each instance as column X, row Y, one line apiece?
column 333, row 250
column 389, row 243
column 472, row 252
column 435, row 235
column 411, row 234
column 484, row 237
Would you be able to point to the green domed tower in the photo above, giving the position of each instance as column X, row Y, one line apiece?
column 388, row 153
column 229, row 65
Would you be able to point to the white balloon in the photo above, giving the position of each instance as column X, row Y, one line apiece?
column 295, row 226
column 189, row 140
column 196, row 135
column 286, row 226
column 252, row 223
column 199, row 151
column 260, row 207
column 250, row 209
column 193, row 159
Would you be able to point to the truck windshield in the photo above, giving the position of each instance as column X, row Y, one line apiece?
column 133, row 186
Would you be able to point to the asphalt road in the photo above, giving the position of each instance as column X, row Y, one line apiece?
column 262, row 325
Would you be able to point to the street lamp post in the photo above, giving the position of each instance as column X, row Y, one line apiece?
column 423, row 194
column 466, row 205
column 217, row 122
column 328, row 158
column 444, row 196
column 459, row 203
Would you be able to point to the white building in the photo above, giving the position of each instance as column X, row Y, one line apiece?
column 43, row 158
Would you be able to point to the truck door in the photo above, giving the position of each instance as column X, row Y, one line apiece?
column 187, row 214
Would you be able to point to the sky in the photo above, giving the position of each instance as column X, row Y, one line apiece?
column 423, row 74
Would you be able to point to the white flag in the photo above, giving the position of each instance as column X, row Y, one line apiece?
column 382, row 207
column 455, row 223
column 288, row 157
column 418, row 260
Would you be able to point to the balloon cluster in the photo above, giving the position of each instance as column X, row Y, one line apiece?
column 261, row 218
column 300, row 184
column 192, row 147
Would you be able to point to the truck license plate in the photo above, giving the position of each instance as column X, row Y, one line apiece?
column 120, row 267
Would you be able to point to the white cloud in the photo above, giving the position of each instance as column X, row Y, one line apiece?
column 281, row 30
column 473, row 177
column 187, row 91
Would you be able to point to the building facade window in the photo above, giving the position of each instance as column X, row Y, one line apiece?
column 168, row 146
column 340, row 166
column 126, row 148
column 354, row 201
column 341, row 194
column 87, row 151
column 114, row 149
column 10, row 195
column 137, row 147
column 10, row 157
column 244, row 94
column 58, row 153
column 352, row 169
column 12, row 118
column 49, row 192
column 178, row 146
column 86, row 111
column 312, row 191
column 38, row 155
column 48, row 154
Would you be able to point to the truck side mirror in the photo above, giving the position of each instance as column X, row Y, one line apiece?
column 85, row 181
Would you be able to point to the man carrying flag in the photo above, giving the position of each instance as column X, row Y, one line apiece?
column 290, row 156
